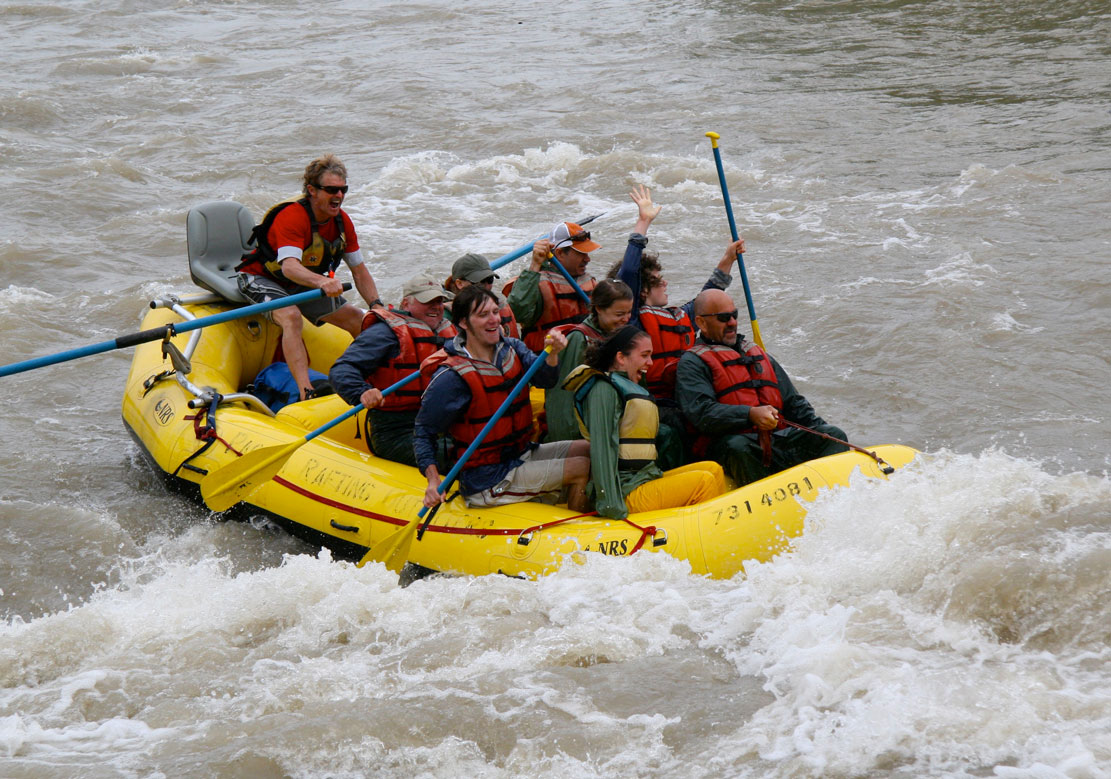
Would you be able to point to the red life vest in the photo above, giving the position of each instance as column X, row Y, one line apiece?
column 509, row 326
column 562, row 306
column 511, row 435
column 592, row 334
column 417, row 341
column 672, row 334
column 741, row 379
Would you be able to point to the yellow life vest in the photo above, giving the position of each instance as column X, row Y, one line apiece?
column 640, row 418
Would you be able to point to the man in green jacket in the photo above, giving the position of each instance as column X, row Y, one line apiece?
column 735, row 394
column 541, row 298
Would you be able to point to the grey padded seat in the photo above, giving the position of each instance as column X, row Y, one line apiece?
column 217, row 235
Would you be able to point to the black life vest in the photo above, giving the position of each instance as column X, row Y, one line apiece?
column 319, row 256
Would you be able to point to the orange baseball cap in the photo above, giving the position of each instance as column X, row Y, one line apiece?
column 569, row 234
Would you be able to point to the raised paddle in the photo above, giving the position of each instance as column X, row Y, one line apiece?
column 394, row 549
column 160, row 333
column 552, row 259
column 521, row 251
column 233, row 483
column 733, row 230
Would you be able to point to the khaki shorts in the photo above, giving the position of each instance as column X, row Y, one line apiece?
column 540, row 474
column 259, row 289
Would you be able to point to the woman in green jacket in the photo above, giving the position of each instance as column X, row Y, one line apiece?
column 621, row 420
column 611, row 304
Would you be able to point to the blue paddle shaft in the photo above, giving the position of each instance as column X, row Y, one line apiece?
column 158, row 333
column 447, row 481
column 521, row 251
column 356, row 409
column 559, row 267
column 733, row 232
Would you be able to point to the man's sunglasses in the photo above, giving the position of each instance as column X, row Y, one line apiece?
column 333, row 190
column 724, row 316
column 580, row 236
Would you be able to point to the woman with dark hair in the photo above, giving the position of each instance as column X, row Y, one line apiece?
column 611, row 304
column 620, row 419
column 671, row 328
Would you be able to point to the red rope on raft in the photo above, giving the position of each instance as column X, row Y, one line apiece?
column 645, row 532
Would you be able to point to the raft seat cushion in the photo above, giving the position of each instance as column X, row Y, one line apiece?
column 217, row 234
column 308, row 415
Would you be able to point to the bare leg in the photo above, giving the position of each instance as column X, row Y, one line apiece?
column 576, row 473
column 289, row 319
column 348, row 317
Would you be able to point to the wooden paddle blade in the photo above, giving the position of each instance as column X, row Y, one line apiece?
column 393, row 550
column 233, row 483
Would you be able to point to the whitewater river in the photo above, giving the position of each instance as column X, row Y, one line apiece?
column 925, row 190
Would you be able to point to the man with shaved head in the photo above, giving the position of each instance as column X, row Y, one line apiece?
column 736, row 395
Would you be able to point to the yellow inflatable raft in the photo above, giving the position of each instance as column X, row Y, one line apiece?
column 333, row 491
column 185, row 404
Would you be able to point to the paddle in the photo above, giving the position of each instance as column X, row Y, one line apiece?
column 733, row 229
column 233, row 483
column 160, row 333
column 521, row 251
column 887, row 469
column 394, row 549
column 552, row 259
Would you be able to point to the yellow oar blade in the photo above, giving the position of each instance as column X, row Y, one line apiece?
column 393, row 550
column 233, row 483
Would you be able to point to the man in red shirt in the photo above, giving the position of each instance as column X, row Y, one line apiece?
column 300, row 243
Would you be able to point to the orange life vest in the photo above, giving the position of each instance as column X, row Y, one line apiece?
column 509, row 326
column 511, row 435
column 562, row 306
column 672, row 334
column 417, row 340
column 746, row 379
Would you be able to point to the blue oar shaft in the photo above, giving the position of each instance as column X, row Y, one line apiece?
column 357, row 408
column 158, row 333
column 521, row 251
column 517, row 253
column 559, row 267
column 733, row 231
column 725, row 193
column 454, row 472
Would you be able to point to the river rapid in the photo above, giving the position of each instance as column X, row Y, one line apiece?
column 924, row 190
